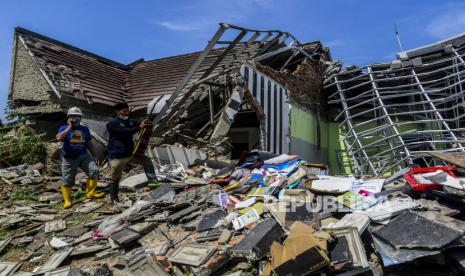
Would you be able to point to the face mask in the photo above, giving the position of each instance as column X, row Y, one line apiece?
column 75, row 122
column 123, row 117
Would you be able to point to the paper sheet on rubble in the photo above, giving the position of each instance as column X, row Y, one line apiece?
column 384, row 211
column 327, row 183
column 443, row 178
column 245, row 203
column 280, row 159
column 371, row 185
column 245, row 219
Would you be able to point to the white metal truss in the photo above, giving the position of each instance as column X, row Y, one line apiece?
column 393, row 113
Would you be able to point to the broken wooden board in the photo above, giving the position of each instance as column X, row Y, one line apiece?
column 86, row 249
column 43, row 217
column 4, row 243
column 142, row 227
column 75, row 231
column 454, row 158
column 88, row 207
column 62, row 271
column 125, row 236
column 146, row 266
column 55, row 260
column 55, row 226
column 83, row 237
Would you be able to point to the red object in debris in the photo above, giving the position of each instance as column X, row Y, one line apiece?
column 417, row 185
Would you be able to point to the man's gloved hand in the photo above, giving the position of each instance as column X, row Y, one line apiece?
column 146, row 124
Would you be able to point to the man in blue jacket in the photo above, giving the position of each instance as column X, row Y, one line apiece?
column 121, row 131
column 76, row 140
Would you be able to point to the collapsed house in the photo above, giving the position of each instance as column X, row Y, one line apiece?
column 247, row 89
column 392, row 114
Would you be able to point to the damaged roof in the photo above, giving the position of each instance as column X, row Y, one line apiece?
column 78, row 73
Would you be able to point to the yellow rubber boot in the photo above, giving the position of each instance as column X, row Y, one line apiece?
column 91, row 186
column 66, row 191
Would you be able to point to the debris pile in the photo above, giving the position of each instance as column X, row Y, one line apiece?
column 264, row 214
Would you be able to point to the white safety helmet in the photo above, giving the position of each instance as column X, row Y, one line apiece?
column 74, row 111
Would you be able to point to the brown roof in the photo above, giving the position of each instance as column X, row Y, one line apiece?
column 82, row 74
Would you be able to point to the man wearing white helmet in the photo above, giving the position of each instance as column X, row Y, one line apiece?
column 76, row 140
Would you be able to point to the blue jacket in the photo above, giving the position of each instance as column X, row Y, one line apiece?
column 120, row 142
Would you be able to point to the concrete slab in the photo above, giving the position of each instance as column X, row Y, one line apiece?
column 134, row 182
column 192, row 254
column 258, row 241
column 8, row 268
column 55, row 260
column 55, row 225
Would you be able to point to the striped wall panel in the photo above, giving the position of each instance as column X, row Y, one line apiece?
column 273, row 99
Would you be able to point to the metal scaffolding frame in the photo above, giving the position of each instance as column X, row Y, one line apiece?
column 230, row 47
column 393, row 113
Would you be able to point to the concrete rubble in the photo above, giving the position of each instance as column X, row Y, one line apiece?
column 224, row 207
column 261, row 216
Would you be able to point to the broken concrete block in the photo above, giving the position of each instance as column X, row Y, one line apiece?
column 62, row 271
column 142, row 227
column 88, row 207
column 163, row 194
column 225, row 237
column 171, row 154
column 178, row 215
column 158, row 249
column 392, row 256
column 4, row 243
column 55, row 226
column 134, row 182
column 210, row 235
column 125, row 237
column 339, row 253
column 258, row 241
column 87, row 249
column 356, row 248
column 286, row 213
column 8, row 268
column 55, row 260
column 214, row 263
column 43, row 217
column 75, row 231
column 146, row 266
column 410, row 230
column 211, row 220
column 192, row 254
column 22, row 240
column 83, row 237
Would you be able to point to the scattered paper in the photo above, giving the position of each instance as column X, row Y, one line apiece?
column 245, row 219
column 245, row 203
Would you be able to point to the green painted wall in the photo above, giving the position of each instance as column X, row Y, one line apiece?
column 304, row 126
column 305, row 139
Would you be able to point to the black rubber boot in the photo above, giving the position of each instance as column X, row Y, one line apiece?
column 114, row 189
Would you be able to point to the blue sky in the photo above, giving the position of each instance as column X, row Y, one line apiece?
column 358, row 32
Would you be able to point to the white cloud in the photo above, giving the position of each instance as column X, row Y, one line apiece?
column 179, row 26
column 448, row 24
column 202, row 16
column 334, row 43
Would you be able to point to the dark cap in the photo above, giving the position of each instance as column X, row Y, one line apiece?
column 120, row 106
